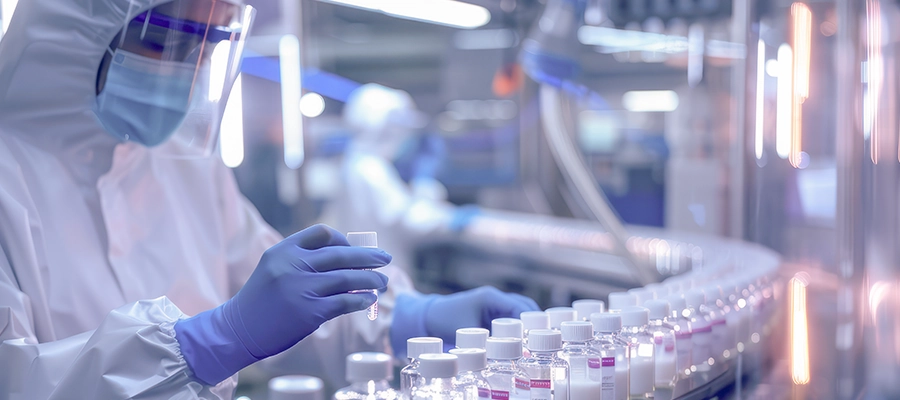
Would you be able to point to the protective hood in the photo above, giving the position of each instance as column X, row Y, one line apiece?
column 48, row 66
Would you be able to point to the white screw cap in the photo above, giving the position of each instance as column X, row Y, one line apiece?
column 659, row 309
column 364, row 367
column 421, row 345
column 296, row 387
column 695, row 298
column 433, row 365
column 577, row 331
column 503, row 348
column 506, row 327
column 677, row 304
column 584, row 308
column 559, row 314
column 363, row 239
column 620, row 300
column 544, row 340
column 471, row 338
column 534, row 320
column 606, row 322
column 470, row 359
column 641, row 294
column 635, row 316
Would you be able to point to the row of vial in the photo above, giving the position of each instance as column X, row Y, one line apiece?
column 583, row 352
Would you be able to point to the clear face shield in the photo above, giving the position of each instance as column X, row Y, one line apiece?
column 169, row 72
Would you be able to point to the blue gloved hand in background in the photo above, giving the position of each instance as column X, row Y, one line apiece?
column 298, row 284
column 441, row 315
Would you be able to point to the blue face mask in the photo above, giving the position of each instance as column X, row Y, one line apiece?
column 144, row 100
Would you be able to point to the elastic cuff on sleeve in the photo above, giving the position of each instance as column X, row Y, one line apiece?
column 409, row 320
column 211, row 348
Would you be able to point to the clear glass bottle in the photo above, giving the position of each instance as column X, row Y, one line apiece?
column 438, row 372
column 507, row 380
column 471, row 338
column 701, row 330
column 585, row 375
column 369, row 375
column 559, row 314
column 366, row 239
column 640, row 352
column 716, row 314
column 532, row 320
column 665, row 371
column 613, row 364
column 470, row 379
column 409, row 375
column 547, row 373
column 585, row 307
column 682, row 326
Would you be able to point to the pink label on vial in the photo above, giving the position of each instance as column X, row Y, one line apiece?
column 522, row 384
column 540, row 384
column 499, row 395
column 609, row 361
column 594, row 363
column 486, row 393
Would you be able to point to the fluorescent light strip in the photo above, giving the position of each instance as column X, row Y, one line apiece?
column 799, row 333
column 231, row 137
column 450, row 13
column 785, row 102
column 802, row 35
column 292, row 121
column 874, row 74
column 760, row 96
column 650, row 101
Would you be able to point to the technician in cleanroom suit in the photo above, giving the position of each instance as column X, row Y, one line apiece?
column 114, row 228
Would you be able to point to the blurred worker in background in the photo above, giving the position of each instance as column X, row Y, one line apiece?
column 116, row 223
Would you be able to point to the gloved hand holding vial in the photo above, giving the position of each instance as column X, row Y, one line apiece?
column 366, row 239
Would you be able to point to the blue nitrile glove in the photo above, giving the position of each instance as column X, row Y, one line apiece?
column 440, row 316
column 462, row 216
column 299, row 284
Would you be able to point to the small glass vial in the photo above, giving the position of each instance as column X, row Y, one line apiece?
column 470, row 379
column 547, row 373
column 640, row 353
column 438, row 372
column 507, row 380
column 559, row 314
column 584, row 308
column 366, row 239
column 663, row 334
column 409, row 375
column 368, row 374
column 471, row 338
column 300, row 387
column 613, row 364
column 585, row 373
column 678, row 319
column 701, row 331
column 533, row 320
column 717, row 314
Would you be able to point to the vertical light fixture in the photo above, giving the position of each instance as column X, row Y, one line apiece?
column 231, row 136
column 799, row 332
column 874, row 77
column 760, row 96
column 785, row 101
column 802, row 42
column 292, row 120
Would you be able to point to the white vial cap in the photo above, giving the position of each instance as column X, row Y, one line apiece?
column 364, row 367
column 677, row 304
column 503, row 348
column 584, row 308
column 436, row 365
column 421, row 345
column 620, row 300
column 558, row 315
column 606, row 322
column 577, row 331
column 471, row 338
column 470, row 359
column 660, row 291
column 296, row 387
column 534, row 320
column 641, row 294
column 363, row 239
column 659, row 308
column 506, row 328
column 635, row 316
column 544, row 340
column 695, row 298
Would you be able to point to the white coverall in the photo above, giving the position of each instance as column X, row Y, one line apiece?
column 105, row 245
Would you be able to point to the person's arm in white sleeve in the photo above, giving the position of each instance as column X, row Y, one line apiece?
column 132, row 354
